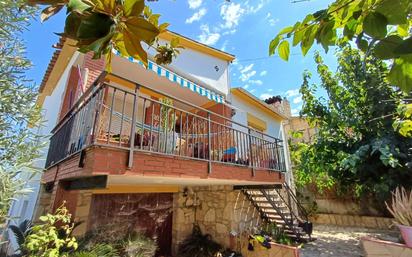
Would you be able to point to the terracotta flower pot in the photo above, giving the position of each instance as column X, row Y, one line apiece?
column 406, row 233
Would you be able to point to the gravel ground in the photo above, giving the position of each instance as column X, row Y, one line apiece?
column 341, row 241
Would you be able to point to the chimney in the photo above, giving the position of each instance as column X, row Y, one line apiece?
column 280, row 105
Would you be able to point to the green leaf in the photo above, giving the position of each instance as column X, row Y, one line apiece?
column 405, row 47
column 174, row 42
column 350, row 28
column 403, row 30
column 286, row 30
column 284, row 50
column 142, row 29
column 77, row 6
column 273, row 44
column 298, row 35
column 384, row 49
column 375, row 24
column 133, row 7
column 309, row 38
column 394, row 11
column 133, row 46
column 50, row 11
column 72, row 25
column 401, row 73
column 163, row 26
column 326, row 35
column 94, row 26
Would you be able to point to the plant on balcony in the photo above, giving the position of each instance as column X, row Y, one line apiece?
column 401, row 209
column 167, row 126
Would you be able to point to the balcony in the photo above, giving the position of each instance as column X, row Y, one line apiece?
column 133, row 123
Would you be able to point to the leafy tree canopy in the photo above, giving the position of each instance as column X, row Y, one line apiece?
column 379, row 27
column 356, row 147
column 19, row 145
column 99, row 26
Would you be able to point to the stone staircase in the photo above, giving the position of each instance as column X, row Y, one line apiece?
column 278, row 204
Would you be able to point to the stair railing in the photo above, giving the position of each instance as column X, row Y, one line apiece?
column 293, row 197
column 288, row 222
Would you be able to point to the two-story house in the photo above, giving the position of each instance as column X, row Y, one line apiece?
column 159, row 148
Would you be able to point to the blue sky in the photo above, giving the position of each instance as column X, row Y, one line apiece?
column 242, row 28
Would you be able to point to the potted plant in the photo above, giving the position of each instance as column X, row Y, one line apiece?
column 401, row 209
column 167, row 126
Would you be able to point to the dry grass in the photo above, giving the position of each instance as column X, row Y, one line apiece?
column 401, row 206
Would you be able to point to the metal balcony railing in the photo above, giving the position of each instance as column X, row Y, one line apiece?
column 107, row 115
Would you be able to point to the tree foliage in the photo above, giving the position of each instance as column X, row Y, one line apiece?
column 19, row 144
column 355, row 147
column 379, row 27
column 99, row 26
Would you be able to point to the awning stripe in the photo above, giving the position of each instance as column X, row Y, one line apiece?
column 173, row 77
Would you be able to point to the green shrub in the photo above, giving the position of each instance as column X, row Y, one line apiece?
column 198, row 245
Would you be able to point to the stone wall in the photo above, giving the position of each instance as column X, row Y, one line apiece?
column 219, row 210
column 43, row 203
column 82, row 211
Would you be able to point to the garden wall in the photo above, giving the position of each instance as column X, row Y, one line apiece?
column 329, row 208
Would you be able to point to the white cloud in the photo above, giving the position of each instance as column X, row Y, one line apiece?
column 256, row 8
column 292, row 92
column 263, row 73
column 265, row 96
column 272, row 21
column 231, row 14
column 229, row 32
column 297, row 100
column 247, row 68
column 246, row 76
column 270, row 90
column 194, row 4
column 197, row 16
column 223, row 48
column 207, row 37
column 246, row 86
column 256, row 82
column 252, row 91
column 295, row 111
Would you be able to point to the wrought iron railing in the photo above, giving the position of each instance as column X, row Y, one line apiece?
column 108, row 115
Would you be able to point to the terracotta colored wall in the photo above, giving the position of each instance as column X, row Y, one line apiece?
column 71, row 92
column 95, row 68
column 73, row 87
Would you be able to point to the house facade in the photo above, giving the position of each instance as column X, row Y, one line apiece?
column 156, row 149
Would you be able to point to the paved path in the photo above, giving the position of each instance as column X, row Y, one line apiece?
column 341, row 241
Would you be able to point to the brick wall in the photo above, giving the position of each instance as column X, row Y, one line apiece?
column 114, row 162
column 71, row 92
column 95, row 68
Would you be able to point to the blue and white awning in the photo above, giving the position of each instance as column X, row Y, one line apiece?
column 163, row 72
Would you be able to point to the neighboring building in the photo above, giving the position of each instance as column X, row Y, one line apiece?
column 158, row 149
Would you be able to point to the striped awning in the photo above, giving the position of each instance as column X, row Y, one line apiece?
column 179, row 80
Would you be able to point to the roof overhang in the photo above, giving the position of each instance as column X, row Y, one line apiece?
column 192, row 44
column 58, row 63
column 250, row 98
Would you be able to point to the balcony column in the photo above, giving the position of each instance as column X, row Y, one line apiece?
column 133, row 126
column 251, row 152
column 209, row 144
